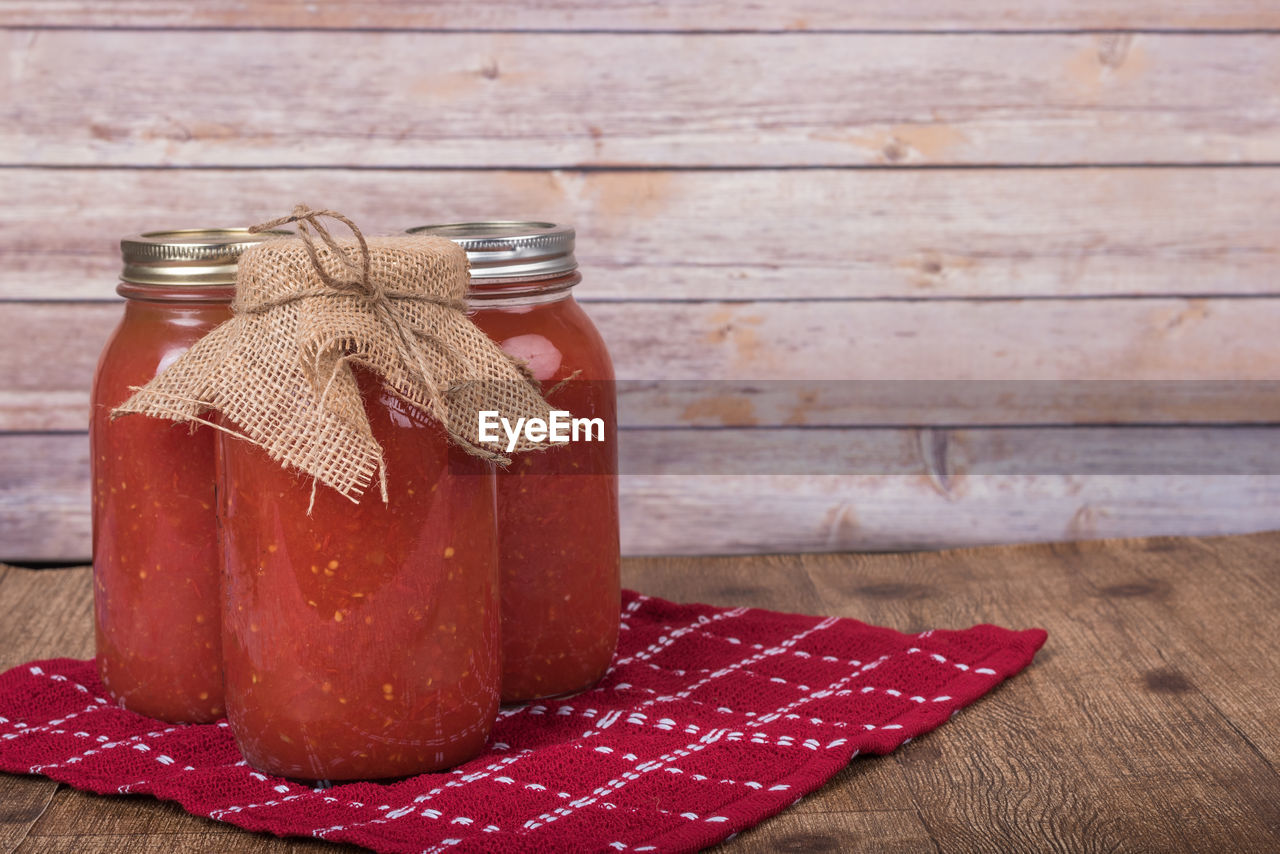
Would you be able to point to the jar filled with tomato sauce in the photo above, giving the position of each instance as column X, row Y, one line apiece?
column 155, row 555
column 360, row 639
column 557, row 509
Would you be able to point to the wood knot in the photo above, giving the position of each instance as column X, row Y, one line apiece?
column 894, row 590
column 741, row 595
column 934, row 447
column 926, row 751
column 1137, row 590
column 894, row 151
column 1166, row 680
column 1161, row 545
column 810, row 843
column 1113, row 49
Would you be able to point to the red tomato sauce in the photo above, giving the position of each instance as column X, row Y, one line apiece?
column 558, row 509
column 155, row 554
column 361, row 641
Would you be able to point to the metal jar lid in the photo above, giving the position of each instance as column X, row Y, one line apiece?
column 195, row 256
column 510, row 249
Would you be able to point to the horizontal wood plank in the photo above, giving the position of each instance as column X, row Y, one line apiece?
column 805, row 348
column 918, row 403
column 727, row 514
column 928, row 503
column 946, row 453
column 835, row 234
column 636, row 15
column 426, row 99
column 44, row 497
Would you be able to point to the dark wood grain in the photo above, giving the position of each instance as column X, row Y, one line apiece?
column 79, row 822
column 22, row 802
column 1150, row 721
column 1116, row 750
column 1176, row 604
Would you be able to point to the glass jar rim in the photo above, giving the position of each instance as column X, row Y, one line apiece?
column 188, row 256
column 510, row 249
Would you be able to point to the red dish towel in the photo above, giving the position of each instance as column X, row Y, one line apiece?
column 710, row 720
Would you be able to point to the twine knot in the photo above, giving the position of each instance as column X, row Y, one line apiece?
column 308, row 219
column 359, row 281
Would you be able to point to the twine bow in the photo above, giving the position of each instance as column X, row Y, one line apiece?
column 307, row 219
column 360, row 281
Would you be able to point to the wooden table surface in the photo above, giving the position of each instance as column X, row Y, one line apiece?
column 1149, row 722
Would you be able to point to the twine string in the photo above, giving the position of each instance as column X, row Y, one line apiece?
column 308, row 219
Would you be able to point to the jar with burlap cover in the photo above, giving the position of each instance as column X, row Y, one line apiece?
column 279, row 373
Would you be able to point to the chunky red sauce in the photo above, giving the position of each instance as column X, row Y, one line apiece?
column 155, row 554
column 558, row 509
column 361, row 641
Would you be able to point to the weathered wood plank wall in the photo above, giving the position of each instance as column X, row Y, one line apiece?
column 698, row 235
column 425, row 99
column 800, row 192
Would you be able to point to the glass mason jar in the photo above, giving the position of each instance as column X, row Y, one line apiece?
column 557, row 509
column 360, row 641
column 155, row 555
